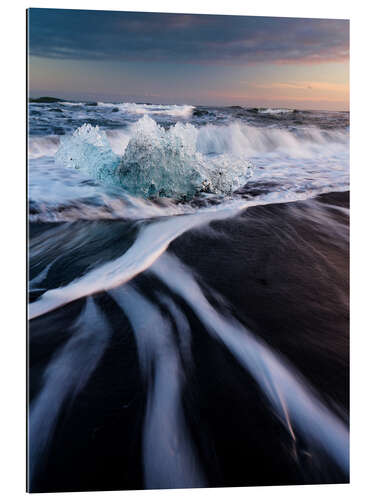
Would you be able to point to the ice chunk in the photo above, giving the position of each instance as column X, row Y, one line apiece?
column 88, row 149
column 159, row 162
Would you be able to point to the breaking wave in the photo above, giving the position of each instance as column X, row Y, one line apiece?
column 183, row 111
column 43, row 146
column 236, row 138
column 241, row 139
column 151, row 161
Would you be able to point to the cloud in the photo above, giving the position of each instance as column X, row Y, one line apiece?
column 180, row 38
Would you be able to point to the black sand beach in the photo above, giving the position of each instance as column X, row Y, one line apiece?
column 280, row 270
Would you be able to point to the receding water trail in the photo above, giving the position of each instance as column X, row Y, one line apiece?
column 169, row 458
column 151, row 242
column 41, row 276
column 65, row 377
column 290, row 396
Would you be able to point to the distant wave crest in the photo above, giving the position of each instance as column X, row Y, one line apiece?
column 275, row 111
column 183, row 111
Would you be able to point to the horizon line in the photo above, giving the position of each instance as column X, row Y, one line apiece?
column 148, row 102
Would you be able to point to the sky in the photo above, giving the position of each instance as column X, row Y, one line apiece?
column 189, row 59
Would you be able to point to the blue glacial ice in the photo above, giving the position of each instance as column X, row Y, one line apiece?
column 156, row 162
column 88, row 150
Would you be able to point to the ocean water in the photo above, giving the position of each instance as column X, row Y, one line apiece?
column 188, row 284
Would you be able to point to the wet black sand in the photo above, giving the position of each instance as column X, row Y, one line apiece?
column 283, row 270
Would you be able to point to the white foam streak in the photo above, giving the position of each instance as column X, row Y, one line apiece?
column 169, row 459
column 41, row 276
column 151, row 242
column 65, row 377
column 288, row 393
